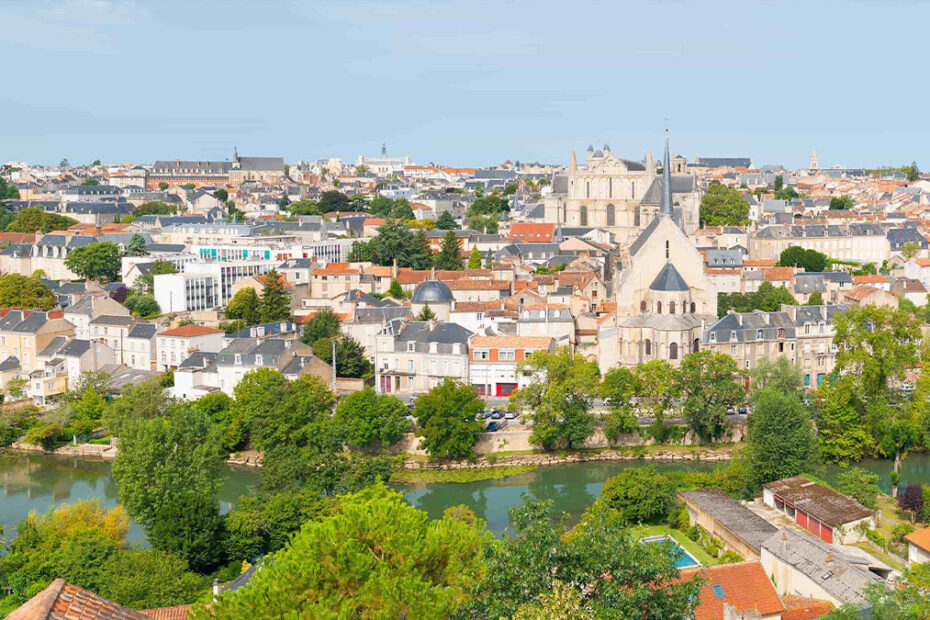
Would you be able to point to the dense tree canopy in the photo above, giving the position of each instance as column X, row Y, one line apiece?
column 276, row 300
column 809, row 260
column 711, row 383
column 97, row 261
column 324, row 324
column 446, row 420
column 558, row 397
column 839, row 203
column 168, row 471
column 245, row 306
column 446, row 221
column 18, row 291
column 368, row 419
column 768, row 298
column 376, row 557
column 155, row 208
column 449, row 257
column 723, row 206
column 34, row 219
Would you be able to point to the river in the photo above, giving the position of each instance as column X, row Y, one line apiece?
column 39, row 482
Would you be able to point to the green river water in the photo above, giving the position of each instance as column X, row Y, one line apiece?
column 38, row 482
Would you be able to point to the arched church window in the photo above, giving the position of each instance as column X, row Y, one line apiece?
column 642, row 306
column 697, row 345
column 658, row 307
column 611, row 214
column 667, row 254
column 692, row 307
column 671, row 307
column 587, row 189
column 648, row 347
column 633, row 190
column 636, row 217
column 584, row 215
column 610, row 188
column 673, row 351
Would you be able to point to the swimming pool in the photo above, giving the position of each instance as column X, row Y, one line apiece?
column 683, row 559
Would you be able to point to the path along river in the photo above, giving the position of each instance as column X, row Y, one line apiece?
column 38, row 482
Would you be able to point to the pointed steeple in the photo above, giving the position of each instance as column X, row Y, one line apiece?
column 235, row 154
column 573, row 165
column 666, row 205
column 383, row 151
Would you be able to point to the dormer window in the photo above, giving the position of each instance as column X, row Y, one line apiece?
column 259, row 360
column 411, row 346
column 238, row 360
column 759, row 334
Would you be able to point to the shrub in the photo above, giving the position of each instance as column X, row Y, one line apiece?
column 860, row 484
column 876, row 538
column 729, row 557
column 899, row 531
column 912, row 499
column 681, row 520
column 639, row 495
column 44, row 434
column 694, row 533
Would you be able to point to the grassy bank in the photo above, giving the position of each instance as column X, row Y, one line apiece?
column 458, row 475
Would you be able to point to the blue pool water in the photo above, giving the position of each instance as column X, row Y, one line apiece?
column 683, row 559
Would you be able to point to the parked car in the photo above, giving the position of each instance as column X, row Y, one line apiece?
column 497, row 414
column 492, row 427
column 511, row 415
column 484, row 415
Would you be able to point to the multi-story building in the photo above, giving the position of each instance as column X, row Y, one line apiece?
column 802, row 334
column 24, row 334
column 412, row 357
column 865, row 243
column 243, row 355
column 173, row 346
column 202, row 286
column 493, row 361
column 219, row 173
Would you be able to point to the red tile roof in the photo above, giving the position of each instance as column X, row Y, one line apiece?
column 532, row 233
column 189, row 331
column 263, row 279
column 920, row 538
column 744, row 585
column 870, row 279
column 62, row 600
column 804, row 608
column 778, row 273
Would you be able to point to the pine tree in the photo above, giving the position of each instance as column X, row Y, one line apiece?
column 136, row 246
column 276, row 303
column 395, row 290
column 474, row 259
column 426, row 314
column 450, row 253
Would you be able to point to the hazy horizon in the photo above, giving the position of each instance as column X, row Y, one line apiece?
column 460, row 83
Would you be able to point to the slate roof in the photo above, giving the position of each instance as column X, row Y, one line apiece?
column 669, row 280
column 744, row 523
column 823, row 564
column 75, row 348
column 819, row 501
column 52, row 347
column 422, row 333
column 143, row 330
column 381, row 316
column 432, row 291
column 108, row 319
column 681, row 184
column 10, row 363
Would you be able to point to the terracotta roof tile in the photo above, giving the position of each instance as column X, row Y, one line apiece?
column 804, row 608
column 869, row 279
column 467, row 284
column 744, row 585
column 920, row 538
column 778, row 273
column 190, row 331
column 64, row 601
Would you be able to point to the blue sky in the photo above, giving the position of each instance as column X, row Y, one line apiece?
column 462, row 83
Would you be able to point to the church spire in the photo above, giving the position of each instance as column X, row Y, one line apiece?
column 573, row 165
column 666, row 206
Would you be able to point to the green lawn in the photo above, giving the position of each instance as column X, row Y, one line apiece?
column 881, row 555
column 680, row 537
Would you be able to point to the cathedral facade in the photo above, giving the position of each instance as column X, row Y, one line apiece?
column 619, row 195
column 664, row 297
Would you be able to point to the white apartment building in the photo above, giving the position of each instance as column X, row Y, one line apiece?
column 202, row 286
column 176, row 345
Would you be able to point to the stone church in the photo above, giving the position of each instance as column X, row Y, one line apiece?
column 664, row 297
column 620, row 195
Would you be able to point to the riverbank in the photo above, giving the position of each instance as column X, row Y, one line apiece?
column 434, row 476
column 717, row 453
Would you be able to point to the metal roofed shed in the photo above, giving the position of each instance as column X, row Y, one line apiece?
column 823, row 512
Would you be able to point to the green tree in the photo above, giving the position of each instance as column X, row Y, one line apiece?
column 559, row 395
column 304, row 207
column 139, row 401
column 18, row 291
column 446, row 420
column 426, row 314
column 221, row 194
column 768, row 298
column 383, row 559
column 615, row 575
column 155, row 208
column 909, row 599
column 809, row 260
column 34, row 219
column 782, row 441
column 618, row 390
column 657, row 389
column 137, row 246
column 395, row 290
column 639, row 495
column 723, row 206
column 276, row 302
column 168, row 471
column 487, row 224
column 324, row 324
column 97, row 261
column 395, row 240
column 367, row 419
column 245, row 306
column 841, row 203
column 875, row 343
column 362, row 252
column 142, row 305
column 779, row 183
column 815, row 299
column 90, row 181
column 711, row 383
column 351, row 360
column 781, row 374
column 844, row 435
column 474, row 259
column 860, row 484
column 449, row 256
column 163, row 185
column 446, row 221
column 333, row 201
column 145, row 285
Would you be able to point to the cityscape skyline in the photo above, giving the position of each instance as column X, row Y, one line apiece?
column 468, row 84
